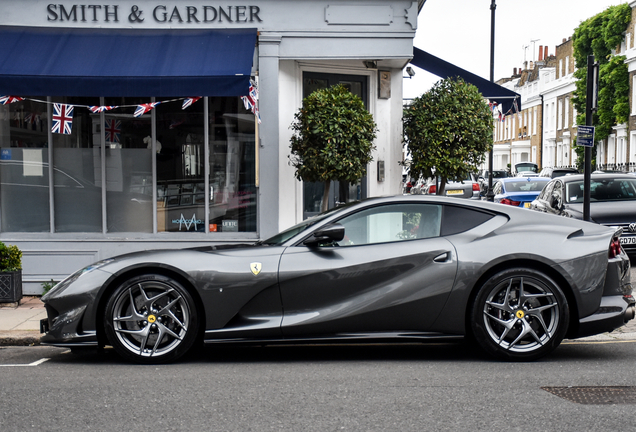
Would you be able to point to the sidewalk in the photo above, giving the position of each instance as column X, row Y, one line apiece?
column 20, row 324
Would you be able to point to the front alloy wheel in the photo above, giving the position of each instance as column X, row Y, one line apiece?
column 519, row 314
column 151, row 319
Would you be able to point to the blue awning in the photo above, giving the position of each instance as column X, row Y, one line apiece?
column 38, row 61
column 488, row 89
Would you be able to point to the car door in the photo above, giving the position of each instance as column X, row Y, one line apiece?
column 391, row 272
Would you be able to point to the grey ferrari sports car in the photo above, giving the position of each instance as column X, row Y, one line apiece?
column 407, row 268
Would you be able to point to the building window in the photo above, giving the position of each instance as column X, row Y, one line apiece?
column 567, row 65
column 108, row 158
column 634, row 95
column 534, row 121
column 566, row 113
column 560, row 114
column 560, row 71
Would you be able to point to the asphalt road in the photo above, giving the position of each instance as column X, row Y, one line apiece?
column 434, row 387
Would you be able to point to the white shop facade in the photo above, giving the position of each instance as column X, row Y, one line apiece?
column 122, row 126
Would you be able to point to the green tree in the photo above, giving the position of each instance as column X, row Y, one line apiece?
column 598, row 36
column 333, row 138
column 448, row 131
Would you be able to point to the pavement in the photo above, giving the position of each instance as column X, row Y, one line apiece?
column 20, row 324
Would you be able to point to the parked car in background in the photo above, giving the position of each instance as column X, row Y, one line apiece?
column 518, row 191
column 526, row 167
column 484, row 175
column 552, row 172
column 527, row 174
column 467, row 188
column 612, row 202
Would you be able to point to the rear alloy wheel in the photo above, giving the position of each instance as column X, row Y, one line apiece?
column 519, row 314
column 151, row 319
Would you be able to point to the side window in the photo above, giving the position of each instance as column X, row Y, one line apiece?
column 390, row 223
column 459, row 219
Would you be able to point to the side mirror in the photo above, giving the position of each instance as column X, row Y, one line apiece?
column 330, row 233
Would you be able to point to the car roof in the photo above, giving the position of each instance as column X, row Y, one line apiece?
column 604, row 176
column 529, row 178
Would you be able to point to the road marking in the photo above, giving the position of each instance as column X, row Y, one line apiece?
column 35, row 363
column 597, row 342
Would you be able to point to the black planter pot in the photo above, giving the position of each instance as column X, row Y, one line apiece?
column 10, row 287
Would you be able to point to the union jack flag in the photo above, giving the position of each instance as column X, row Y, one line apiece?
column 5, row 100
column 98, row 109
column 113, row 130
column 144, row 108
column 62, row 118
column 189, row 101
column 251, row 101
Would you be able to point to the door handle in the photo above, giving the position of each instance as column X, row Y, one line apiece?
column 442, row 258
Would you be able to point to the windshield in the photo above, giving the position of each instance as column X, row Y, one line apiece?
column 602, row 190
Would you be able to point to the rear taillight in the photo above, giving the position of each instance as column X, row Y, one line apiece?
column 476, row 187
column 432, row 189
column 615, row 248
column 510, row 202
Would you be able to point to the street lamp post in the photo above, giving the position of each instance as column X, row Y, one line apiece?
column 490, row 196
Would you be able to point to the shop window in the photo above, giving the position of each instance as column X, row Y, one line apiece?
column 232, row 166
column 77, row 192
column 24, row 167
column 124, row 178
column 128, row 165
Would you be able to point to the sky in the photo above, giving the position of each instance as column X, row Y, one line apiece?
column 458, row 31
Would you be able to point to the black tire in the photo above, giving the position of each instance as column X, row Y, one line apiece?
column 519, row 314
column 151, row 319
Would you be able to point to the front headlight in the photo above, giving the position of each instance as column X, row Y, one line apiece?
column 57, row 289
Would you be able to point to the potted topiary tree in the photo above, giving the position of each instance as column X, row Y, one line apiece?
column 10, row 273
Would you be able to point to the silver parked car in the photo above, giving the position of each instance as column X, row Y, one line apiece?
column 405, row 268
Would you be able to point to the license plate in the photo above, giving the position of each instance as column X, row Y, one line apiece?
column 526, row 205
column 628, row 240
column 455, row 192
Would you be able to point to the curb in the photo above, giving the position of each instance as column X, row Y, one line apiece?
column 19, row 338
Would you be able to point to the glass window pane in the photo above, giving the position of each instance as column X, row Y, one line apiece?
column 232, row 166
column 392, row 223
column 24, row 174
column 78, row 191
column 180, row 168
column 128, row 166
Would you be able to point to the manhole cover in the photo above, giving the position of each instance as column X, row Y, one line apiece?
column 623, row 395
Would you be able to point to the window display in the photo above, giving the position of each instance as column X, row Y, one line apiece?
column 107, row 156
column 24, row 167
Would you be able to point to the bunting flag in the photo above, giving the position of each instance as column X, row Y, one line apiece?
column 144, row 108
column 62, row 118
column 98, row 109
column 113, row 130
column 5, row 100
column 189, row 101
column 251, row 101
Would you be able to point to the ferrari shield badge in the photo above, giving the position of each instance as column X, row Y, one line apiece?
column 256, row 268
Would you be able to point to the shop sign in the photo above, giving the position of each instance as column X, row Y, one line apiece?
column 160, row 14
column 5, row 154
column 187, row 223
